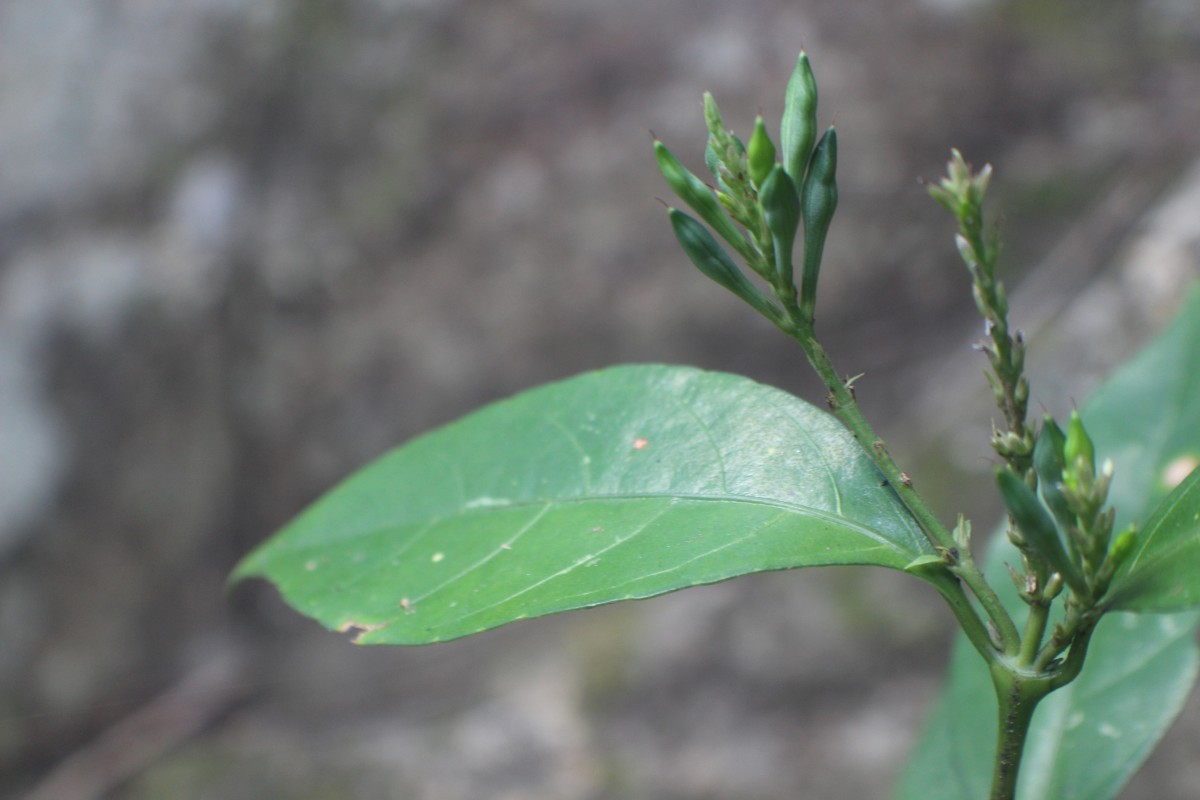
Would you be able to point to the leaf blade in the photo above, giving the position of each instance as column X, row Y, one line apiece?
column 618, row 484
column 1163, row 572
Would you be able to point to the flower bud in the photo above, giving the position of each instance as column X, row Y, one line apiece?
column 1078, row 444
column 760, row 153
column 1048, row 463
column 712, row 117
column 818, row 202
column 711, row 259
column 701, row 199
column 798, row 130
column 1039, row 531
column 1122, row 546
column 781, row 210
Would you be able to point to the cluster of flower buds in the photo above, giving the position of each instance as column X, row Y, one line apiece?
column 1065, row 524
column 961, row 191
column 769, row 199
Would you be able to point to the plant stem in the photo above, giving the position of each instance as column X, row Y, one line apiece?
column 845, row 408
column 1018, row 692
column 1035, row 629
column 972, row 626
column 1018, row 696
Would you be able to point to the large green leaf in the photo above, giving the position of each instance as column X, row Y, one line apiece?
column 1089, row 738
column 618, row 484
column 1163, row 573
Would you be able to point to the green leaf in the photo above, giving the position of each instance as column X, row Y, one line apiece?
column 1163, row 572
column 614, row 485
column 1089, row 738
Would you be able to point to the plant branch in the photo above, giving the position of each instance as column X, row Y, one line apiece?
column 1035, row 629
column 845, row 407
column 951, row 590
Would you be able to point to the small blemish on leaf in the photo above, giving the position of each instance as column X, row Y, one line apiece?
column 640, row 443
column 406, row 605
column 358, row 629
column 1177, row 470
column 310, row 565
column 487, row 502
column 597, row 529
column 436, row 557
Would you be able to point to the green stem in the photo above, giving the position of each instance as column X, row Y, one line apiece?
column 1018, row 692
column 972, row 626
column 1078, row 653
column 971, row 575
column 845, row 407
column 1035, row 629
column 1018, row 696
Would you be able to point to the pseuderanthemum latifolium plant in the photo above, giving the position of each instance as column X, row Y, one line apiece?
column 633, row 481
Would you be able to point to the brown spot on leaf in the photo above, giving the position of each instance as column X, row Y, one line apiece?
column 358, row 629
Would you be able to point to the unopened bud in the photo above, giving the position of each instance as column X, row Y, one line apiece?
column 1122, row 546
column 761, row 154
column 712, row 116
column 1078, row 444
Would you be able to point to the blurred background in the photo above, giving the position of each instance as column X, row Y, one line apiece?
column 247, row 246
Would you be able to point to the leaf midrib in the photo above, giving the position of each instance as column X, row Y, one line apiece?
column 284, row 546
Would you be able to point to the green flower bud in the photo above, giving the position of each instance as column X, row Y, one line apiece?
column 701, row 199
column 798, row 130
column 818, row 202
column 961, row 191
column 713, row 161
column 761, row 154
column 1078, row 445
column 1048, row 463
column 781, row 209
column 1038, row 529
column 712, row 118
column 1122, row 547
column 711, row 259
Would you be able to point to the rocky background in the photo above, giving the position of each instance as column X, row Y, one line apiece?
column 247, row 246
